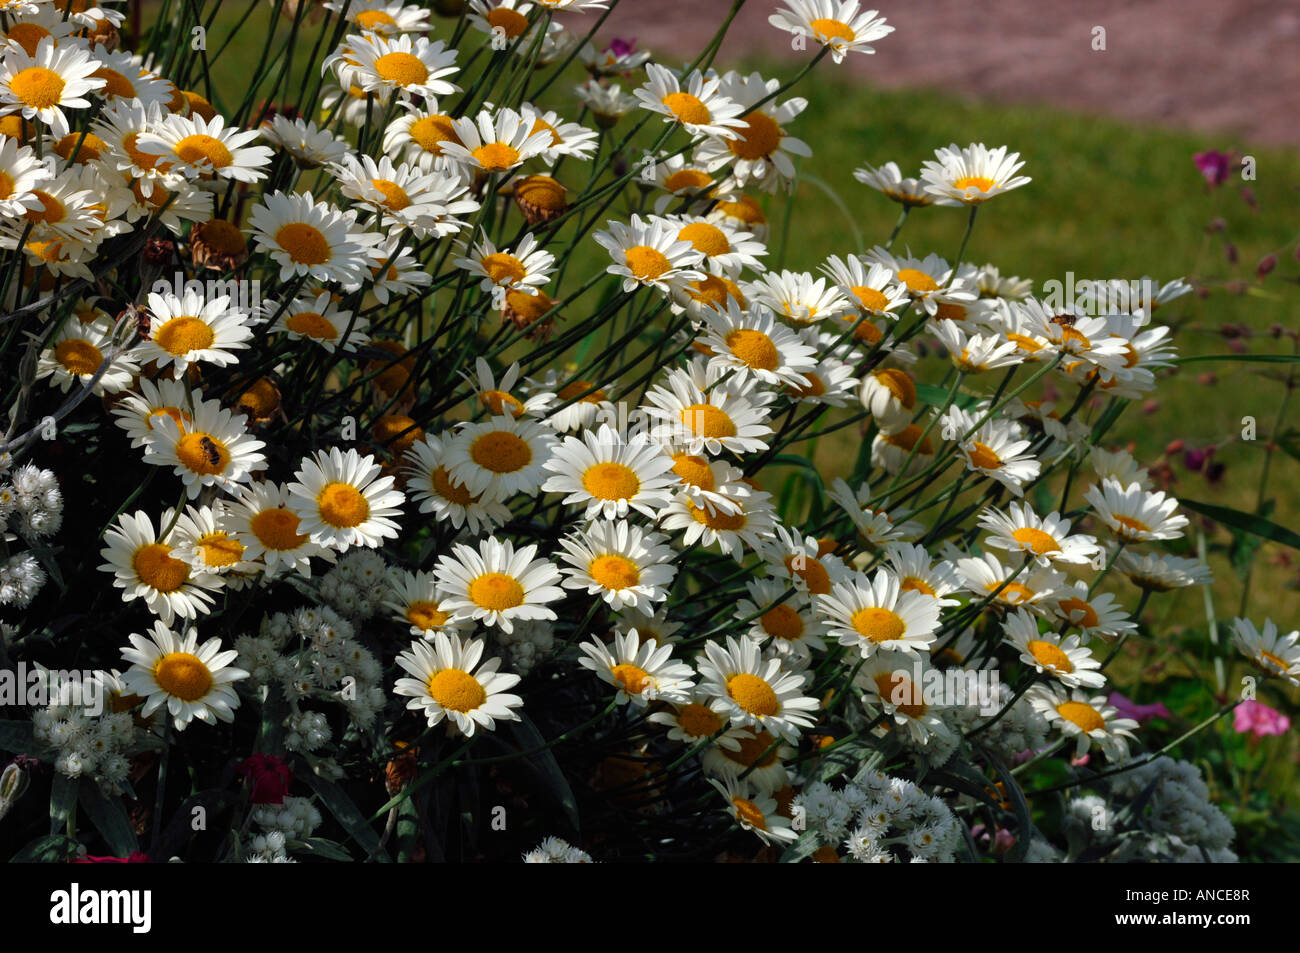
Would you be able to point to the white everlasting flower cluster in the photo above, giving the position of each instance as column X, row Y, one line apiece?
column 296, row 818
column 357, row 586
column 313, row 654
column 1182, row 821
column 876, row 818
column 553, row 850
column 530, row 643
column 91, row 746
column 31, row 507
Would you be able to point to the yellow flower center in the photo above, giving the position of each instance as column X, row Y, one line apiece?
column 694, row 470
column 1129, row 525
column 1083, row 715
column 708, row 421
column 277, row 529
column 501, row 403
column 401, row 69
column 202, row 453
column 687, row 179
column 645, row 262
column 878, row 625
column 92, row 147
column 753, row 694
column 37, row 87
column 829, row 29
column 28, row 35
column 747, row 812
column 906, row 439
column 611, row 481
column 687, row 108
column 426, row 615
column 512, row 22
column 218, row 549
column 430, row 132
column 950, row 312
column 503, row 267
column 501, row 452
column 78, row 356
column 973, row 182
column 1075, row 604
column 496, row 156
column 395, row 197
column 1050, row 656
column 782, row 622
column 814, row 388
column 1014, row 592
column 303, row 243
column 175, row 413
column 899, row 383
column 570, row 391
column 1024, row 343
column 706, row 238
column 698, row 721
column 759, row 137
column 155, row 567
column 614, row 572
column 450, row 490
column 496, row 591
column 184, row 334
column 373, row 19
column 1270, row 660
column 716, row 519
column 342, row 505
column 182, row 675
column 197, row 149
column 51, row 210
column 870, row 298
column 630, row 678
column 456, row 690
column 1036, row 540
column 891, row 686
column 311, row 324
column 913, row 584
column 917, row 280
column 983, row 457
column 754, row 348
column 813, row 573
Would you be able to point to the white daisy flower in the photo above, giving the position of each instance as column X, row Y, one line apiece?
column 191, row 680
column 566, row 138
column 750, row 690
column 789, row 622
column 916, row 572
column 449, row 683
column 692, row 720
column 144, row 568
column 1134, row 514
column 343, row 500
column 839, row 25
column 972, row 175
column 310, row 146
column 749, row 343
column 497, row 141
column 320, row 320
column 77, row 352
column 611, row 476
column 1093, row 615
column 137, row 413
column 414, row 602
column 526, row 269
column 724, row 418
column 888, row 679
column 1047, row 539
column 760, row 152
column 994, row 449
column 801, row 561
column 403, row 65
column 642, row 670
column 306, row 237
column 1085, row 718
column 496, row 583
column 430, row 485
column 755, row 812
column 748, row 751
column 799, row 296
column 1015, row 586
column 930, row 282
column 889, row 393
column 383, row 16
column 623, row 563
column 262, row 520
column 42, row 84
column 888, row 179
column 581, row 403
column 607, row 103
column 876, row 614
column 500, row 457
column 22, row 173
column 211, row 448
column 194, row 146
column 1276, row 654
column 746, row 525
column 1063, row 657
column 726, row 249
column 694, row 102
column 649, row 253
column 203, row 540
column 1161, row 573
column 190, row 329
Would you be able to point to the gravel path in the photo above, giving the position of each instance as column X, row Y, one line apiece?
column 1228, row 67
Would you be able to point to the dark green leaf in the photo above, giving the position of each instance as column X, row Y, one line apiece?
column 1246, row 522
column 63, row 802
column 346, row 813
column 938, row 397
column 52, row 849
column 544, row 763
column 1248, row 358
column 16, row 737
column 110, row 818
column 320, row 847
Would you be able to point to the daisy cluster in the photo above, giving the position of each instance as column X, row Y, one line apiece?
column 415, row 434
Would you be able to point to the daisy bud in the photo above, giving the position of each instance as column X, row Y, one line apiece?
column 1174, row 446
column 13, row 782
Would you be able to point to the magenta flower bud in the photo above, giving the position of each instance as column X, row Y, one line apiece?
column 1194, row 459
column 1266, row 264
column 1214, row 165
column 1230, row 251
